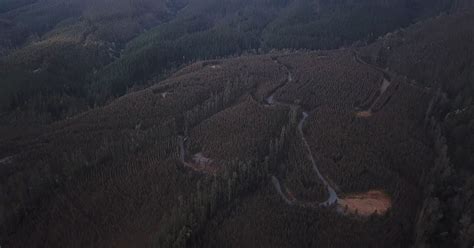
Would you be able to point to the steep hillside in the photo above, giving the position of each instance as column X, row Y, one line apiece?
column 52, row 48
column 364, row 146
column 170, row 164
column 114, row 20
column 230, row 27
column 73, row 55
column 437, row 55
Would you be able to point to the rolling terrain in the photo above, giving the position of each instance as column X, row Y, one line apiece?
column 59, row 58
column 365, row 145
column 437, row 55
column 220, row 107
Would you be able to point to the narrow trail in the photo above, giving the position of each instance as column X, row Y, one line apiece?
column 276, row 184
column 270, row 101
column 333, row 198
column 386, row 73
column 361, row 204
column 385, row 85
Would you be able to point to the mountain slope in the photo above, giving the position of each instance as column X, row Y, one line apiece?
column 247, row 151
column 219, row 106
column 437, row 54
column 98, row 51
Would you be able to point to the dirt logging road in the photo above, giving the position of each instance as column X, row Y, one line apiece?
column 361, row 204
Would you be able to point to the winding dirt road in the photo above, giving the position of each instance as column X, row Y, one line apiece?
column 367, row 113
column 270, row 101
column 276, row 184
column 386, row 73
column 360, row 204
column 333, row 198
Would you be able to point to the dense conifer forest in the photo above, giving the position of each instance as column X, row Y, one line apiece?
column 236, row 123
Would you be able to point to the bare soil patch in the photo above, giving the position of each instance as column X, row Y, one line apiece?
column 364, row 114
column 365, row 204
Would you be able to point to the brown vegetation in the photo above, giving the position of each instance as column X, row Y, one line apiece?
column 121, row 175
column 95, row 160
column 366, row 204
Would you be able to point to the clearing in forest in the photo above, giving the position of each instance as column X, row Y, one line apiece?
column 203, row 164
column 365, row 204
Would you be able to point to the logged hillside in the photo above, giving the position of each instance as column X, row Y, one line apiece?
column 366, row 146
column 231, row 27
column 187, row 161
column 144, row 126
column 63, row 57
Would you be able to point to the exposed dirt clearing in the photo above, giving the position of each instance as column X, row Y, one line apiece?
column 203, row 164
column 364, row 114
column 199, row 162
column 365, row 204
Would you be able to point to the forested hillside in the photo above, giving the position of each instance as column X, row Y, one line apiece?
column 437, row 54
column 52, row 49
column 236, row 123
column 68, row 55
column 211, row 143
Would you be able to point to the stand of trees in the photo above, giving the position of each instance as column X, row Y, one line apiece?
column 445, row 218
column 143, row 39
column 446, row 215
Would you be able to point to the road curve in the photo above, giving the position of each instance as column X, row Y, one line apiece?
column 333, row 198
column 270, row 101
column 276, row 184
